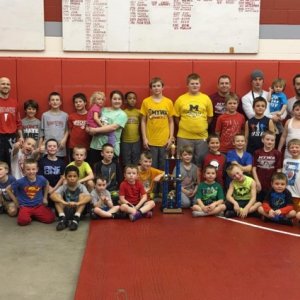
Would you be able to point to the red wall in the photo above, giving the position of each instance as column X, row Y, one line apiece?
column 37, row 77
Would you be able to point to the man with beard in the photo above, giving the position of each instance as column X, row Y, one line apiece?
column 291, row 101
column 10, row 121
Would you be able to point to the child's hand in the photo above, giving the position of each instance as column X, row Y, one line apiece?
column 211, row 206
column 271, row 213
column 243, row 212
column 271, row 90
column 277, row 212
column 236, row 208
column 205, row 209
column 146, row 144
column 18, row 145
column 45, row 201
column 73, row 204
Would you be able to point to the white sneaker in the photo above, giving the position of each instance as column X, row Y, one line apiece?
column 197, row 213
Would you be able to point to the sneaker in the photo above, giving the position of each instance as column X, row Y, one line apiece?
column 62, row 223
column 93, row 215
column 282, row 220
column 74, row 223
column 230, row 214
column 136, row 216
column 148, row 214
column 119, row 215
column 196, row 213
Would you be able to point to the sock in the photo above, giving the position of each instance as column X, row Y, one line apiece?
column 77, row 214
column 61, row 214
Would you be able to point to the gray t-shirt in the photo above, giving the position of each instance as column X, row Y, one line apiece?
column 31, row 128
column 54, row 126
column 98, row 197
column 71, row 194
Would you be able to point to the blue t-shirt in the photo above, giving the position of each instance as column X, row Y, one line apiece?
column 30, row 193
column 277, row 101
column 279, row 200
column 52, row 170
column 4, row 185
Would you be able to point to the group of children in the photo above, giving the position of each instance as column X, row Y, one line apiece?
column 224, row 180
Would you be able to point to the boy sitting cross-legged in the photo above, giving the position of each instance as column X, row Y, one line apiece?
column 278, row 205
column 70, row 200
column 241, row 194
column 133, row 197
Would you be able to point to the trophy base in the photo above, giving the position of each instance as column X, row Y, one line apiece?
column 172, row 210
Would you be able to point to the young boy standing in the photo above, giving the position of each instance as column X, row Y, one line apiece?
column 194, row 112
column 256, row 126
column 229, row 123
column 133, row 197
column 6, row 203
column 31, row 126
column 109, row 169
column 266, row 161
column 76, row 125
column 148, row 175
column 291, row 168
column 54, row 124
column 30, row 194
column 70, row 200
column 277, row 205
column 131, row 144
column 157, row 124
column 189, row 172
column 210, row 195
column 86, row 174
column 241, row 194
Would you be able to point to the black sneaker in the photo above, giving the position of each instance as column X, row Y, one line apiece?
column 230, row 214
column 93, row 215
column 62, row 223
column 119, row 215
column 74, row 223
column 282, row 220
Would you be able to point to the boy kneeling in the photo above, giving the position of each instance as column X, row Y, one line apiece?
column 133, row 197
column 70, row 200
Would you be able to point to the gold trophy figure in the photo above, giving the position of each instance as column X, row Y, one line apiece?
column 173, row 150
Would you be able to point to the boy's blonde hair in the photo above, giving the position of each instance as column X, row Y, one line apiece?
column 146, row 154
column 94, row 96
column 231, row 96
column 154, row 80
column 268, row 132
column 79, row 147
column 4, row 165
column 293, row 142
column 186, row 148
column 231, row 167
column 192, row 76
column 278, row 81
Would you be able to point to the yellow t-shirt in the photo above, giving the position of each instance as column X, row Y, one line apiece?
column 84, row 169
column 193, row 111
column 157, row 124
column 131, row 131
column 147, row 176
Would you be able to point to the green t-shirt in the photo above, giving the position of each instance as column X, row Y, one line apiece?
column 209, row 193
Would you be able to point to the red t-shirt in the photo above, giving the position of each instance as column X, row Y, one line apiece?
column 228, row 125
column 78, row 135
column 10, row 120
column 132, row 192
column 266, row 164
column 216, row 160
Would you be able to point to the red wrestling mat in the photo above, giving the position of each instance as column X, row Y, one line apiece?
column 180, row 257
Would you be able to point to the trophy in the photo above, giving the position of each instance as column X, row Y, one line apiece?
column 173, row 150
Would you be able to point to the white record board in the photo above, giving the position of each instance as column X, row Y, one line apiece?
column 22, row 25
column 182, row 26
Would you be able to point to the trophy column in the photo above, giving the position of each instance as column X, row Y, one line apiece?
column 171, row 202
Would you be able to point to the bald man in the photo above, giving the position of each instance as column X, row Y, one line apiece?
column 10, row 121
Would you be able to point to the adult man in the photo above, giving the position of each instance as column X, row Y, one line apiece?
column 218, row 99
column 291, row 101
column 257, row 81
column 194, row 111
column 10, row 121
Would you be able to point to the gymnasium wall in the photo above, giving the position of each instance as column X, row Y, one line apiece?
column 34, row 74
column 36, row 77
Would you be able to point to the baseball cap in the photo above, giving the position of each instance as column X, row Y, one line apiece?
column 257, row 73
